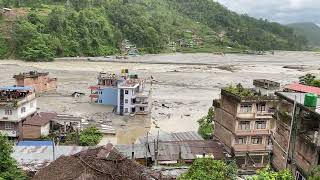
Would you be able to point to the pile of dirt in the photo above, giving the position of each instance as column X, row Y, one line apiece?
column 100, row 163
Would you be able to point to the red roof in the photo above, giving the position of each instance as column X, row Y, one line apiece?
column 40, row 119
column 94, row 87
column 303, row 88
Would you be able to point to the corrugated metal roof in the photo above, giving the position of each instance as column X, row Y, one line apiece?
column 138, row 149
column 173, row 137
column 35, row 143
column 303, row 88
column 12, row 88
column 40, row 119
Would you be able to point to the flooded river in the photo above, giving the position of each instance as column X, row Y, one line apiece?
column 186, row 85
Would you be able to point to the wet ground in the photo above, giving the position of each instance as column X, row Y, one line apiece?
column 186, row 85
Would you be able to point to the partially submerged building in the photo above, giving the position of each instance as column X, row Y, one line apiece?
column 129, row 94
column 243, row 122
column 17, row 104
column 296, row 140
column 40, row 81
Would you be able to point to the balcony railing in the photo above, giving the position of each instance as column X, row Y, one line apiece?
column 10, row 133
column 251, row 147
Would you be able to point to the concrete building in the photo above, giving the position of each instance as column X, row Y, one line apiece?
column 296, row 139
column 129, row 94
column 41, row 82
column 17, row 104
column 244, row 123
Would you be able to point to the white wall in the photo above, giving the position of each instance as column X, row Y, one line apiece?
column 16, row 112
column 45, row 130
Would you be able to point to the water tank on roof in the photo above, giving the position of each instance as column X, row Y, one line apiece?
column 310, row 100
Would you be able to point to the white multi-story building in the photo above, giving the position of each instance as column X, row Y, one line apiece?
column 129, row 94
column 16, row 105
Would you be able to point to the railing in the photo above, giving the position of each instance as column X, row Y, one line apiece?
column 253, row 132
column 9, row 133
column 250, row 147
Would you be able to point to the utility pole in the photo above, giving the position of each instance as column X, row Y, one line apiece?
column 146, row 155
column 290, row 133
column 155, row 152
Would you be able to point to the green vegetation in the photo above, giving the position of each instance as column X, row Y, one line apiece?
column 90, row 137
column 268, row 174
column 315, row 173
column 239, row 90
column 309, row 80
column 8, row 166
column 205, row 125
column 55, row 28
column 207, row 169
column 308, row 29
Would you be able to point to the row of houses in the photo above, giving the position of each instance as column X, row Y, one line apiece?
column 265, row 125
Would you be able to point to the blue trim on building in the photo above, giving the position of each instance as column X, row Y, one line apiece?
column 35, row 143
column 108, row 96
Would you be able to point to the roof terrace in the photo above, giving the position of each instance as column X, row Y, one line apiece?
column 30, row 74
column 14, row 95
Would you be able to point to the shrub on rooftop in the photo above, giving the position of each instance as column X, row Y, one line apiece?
column 90, row 137
column 239, row 90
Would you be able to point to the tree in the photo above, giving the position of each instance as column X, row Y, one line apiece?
column 268, row 174
column 8, row 166
column 315, row 173
column 205, row 125
column 90, row 137
column 208, row 168
column 307, row 79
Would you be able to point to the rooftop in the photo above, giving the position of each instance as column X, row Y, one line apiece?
column 266, row 84
column 30, row 74
column 41, row 119
column 247, row 95
column 299, row 98
column 104, row 162
column 303, row 88
column 11, row 94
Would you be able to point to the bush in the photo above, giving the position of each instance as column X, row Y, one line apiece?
column 205, row 125
column 90, row 137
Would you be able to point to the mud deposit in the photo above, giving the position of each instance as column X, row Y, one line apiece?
column 185, row 87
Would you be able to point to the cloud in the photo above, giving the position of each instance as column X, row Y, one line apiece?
column 283, row 11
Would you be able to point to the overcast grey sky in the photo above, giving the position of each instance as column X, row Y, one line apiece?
column 283, row 11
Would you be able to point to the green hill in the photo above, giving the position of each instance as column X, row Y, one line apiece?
column 308, row 29
column 43, row 29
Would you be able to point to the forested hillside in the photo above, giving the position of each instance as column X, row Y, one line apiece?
column 308, row 29
column 43, row 29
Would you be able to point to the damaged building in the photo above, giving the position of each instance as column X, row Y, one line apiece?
column 296, row 140
column 243, row 122
column 17, row 104
column 129, row 94
column 40, row 81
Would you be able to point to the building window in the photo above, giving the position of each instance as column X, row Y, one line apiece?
column 244, row 125
column 126, row 92
column 246, row 108
column 23, row 109
column 8, row 112
column 126, row 101
column 299, row 176
column 100, row 101
column 141, row 108
column 261, row 107
column 261, row 124
column 241, row 140
column 8, row 126
column 256, row 140
column 126, row 110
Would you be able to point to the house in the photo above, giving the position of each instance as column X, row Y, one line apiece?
column 243, row 122
column 182, row 147
column 40, row 81
column 296, row 139
column 129, row 94
column 104, row 162
column 17, row 104
column 38, row 126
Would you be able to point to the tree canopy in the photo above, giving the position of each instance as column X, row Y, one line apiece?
column 90, row 137
column 8, row 166
column 97, row 27
column 208, row 168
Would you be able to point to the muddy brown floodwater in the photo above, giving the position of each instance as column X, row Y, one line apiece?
column 186, row 84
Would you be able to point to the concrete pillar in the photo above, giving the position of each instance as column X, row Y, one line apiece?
column 65, row 127
column 262, row 160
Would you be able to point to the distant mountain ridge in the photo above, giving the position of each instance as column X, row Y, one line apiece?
column 308, row 29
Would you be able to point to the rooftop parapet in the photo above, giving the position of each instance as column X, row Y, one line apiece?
column 247, row 95
column 266, row 84
column 30, row 74
column 14, row 96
